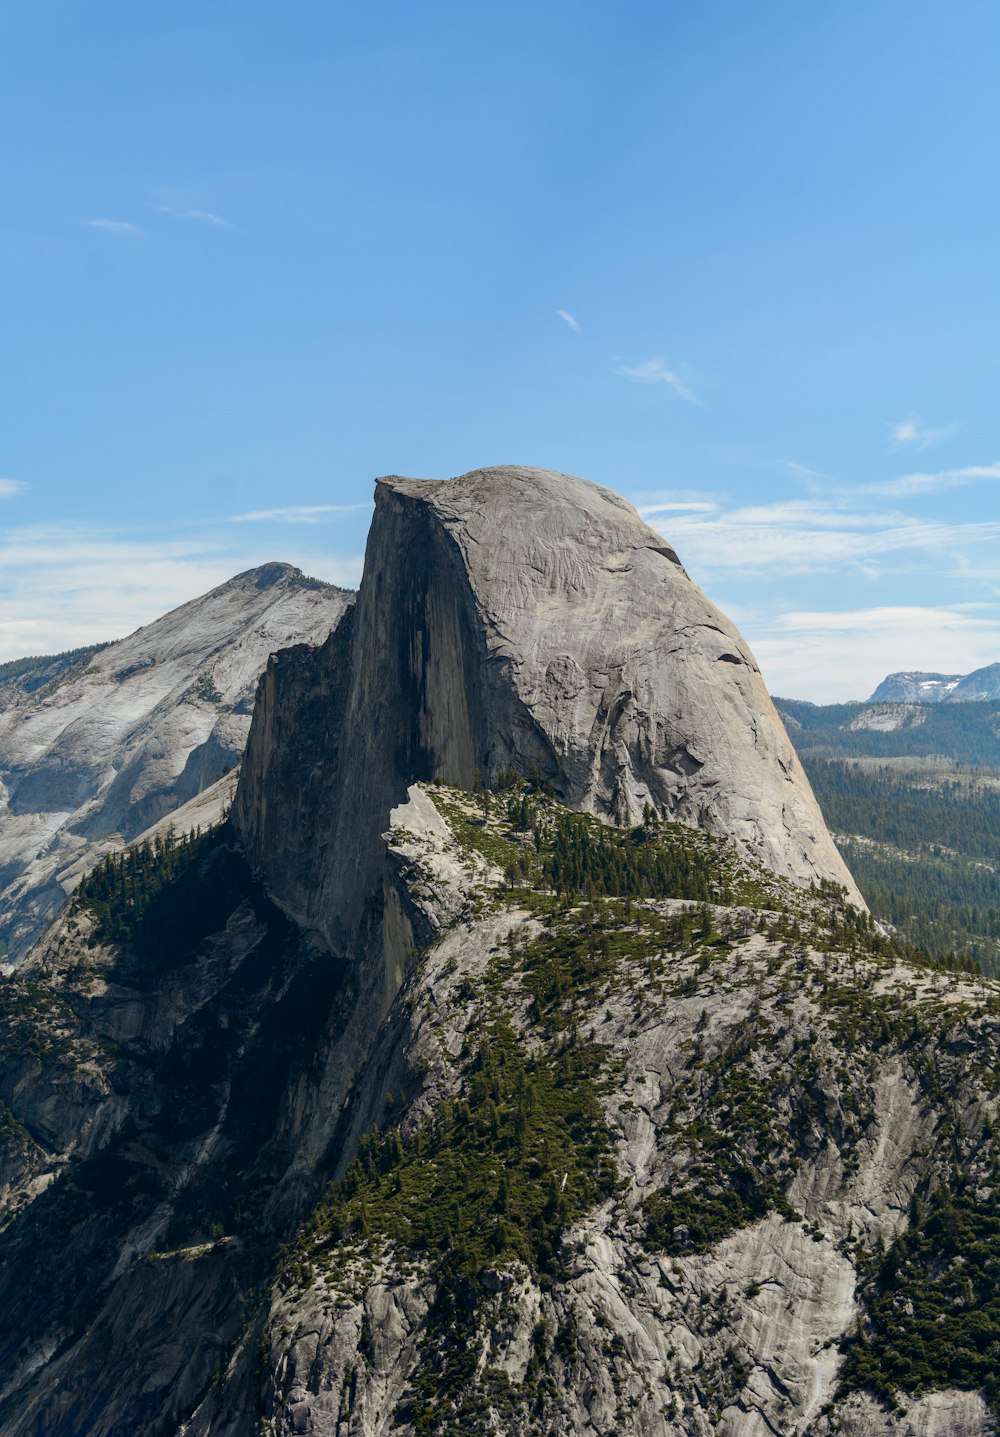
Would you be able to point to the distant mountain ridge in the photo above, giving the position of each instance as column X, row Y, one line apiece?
column 99, row 743
column 910, row 686
column 966, row 734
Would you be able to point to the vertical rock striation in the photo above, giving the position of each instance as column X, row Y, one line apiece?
column 516, row 618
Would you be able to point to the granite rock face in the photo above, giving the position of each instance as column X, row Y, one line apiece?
column 692, row 1103
column 516, row 619
column 92, row 755
column 179, row 1118
column 744, row 1339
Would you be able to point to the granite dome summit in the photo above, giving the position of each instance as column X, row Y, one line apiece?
column 518, row 618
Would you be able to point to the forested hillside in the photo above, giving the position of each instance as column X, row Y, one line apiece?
column 913, row 796
column 966, row 734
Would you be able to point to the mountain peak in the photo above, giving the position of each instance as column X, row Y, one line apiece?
column 99, row 743
column 516, row 497
column 910, row 686
column 517, row 619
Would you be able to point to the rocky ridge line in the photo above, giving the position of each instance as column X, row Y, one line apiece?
column 118, row 737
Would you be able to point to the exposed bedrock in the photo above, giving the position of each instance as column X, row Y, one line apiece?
column 515, row 618
column 95, row 749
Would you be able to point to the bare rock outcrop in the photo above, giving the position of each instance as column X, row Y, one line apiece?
column 93, row 753
column 516, row 618
column 751, row 1051
column 568, row 1105
column 910, row 687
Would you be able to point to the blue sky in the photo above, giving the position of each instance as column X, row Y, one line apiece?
column 737, row 262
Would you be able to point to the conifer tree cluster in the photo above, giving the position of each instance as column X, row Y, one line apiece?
column 124, row 886
column 574, row 854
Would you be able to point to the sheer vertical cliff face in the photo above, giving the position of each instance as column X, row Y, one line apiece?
column 517, row 618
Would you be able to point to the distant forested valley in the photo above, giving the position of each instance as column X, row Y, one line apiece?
column 915, row 810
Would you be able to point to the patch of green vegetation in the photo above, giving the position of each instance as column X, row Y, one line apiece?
column 14, row 1136
column 736, row 1142
column 923, row 845
column 690, row 1221
column 932, row 1305
column 204, row 688
column 544, row 848
column 497, row 1175
column 942, row 902
column 830, row 924
column 968, row 733
column 149, row 898
column 35, row 1022
column 588, row 945
column 40, row 670
column 470, row 821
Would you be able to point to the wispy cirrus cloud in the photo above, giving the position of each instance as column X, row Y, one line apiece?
column 754, row 556
column 574, row 324
column 65, row 585
column 676, row 506
column 121, row 227
column 298, row 513
column 10, row 488
column 814, row 480
column 205, row 217
column 913, row 433
column 934, row 483
column 656, row 371
column 833, row 656
column 811, row 536
column 652, row 502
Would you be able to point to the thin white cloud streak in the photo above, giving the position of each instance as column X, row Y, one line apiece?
column 207, row 217
column 656, row 371
column 757, row 552
column 819, row 513
column 692, row 506
column 934, row 483
column 113, row 226
column 894, row 618
column 65, row 586
column 574, row 324
column 913, row 433
column 811, row 537
column 299, row 513
column 649, row 498
column 10, row 488
column 836, row 656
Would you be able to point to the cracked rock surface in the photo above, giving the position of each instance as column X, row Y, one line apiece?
column 744, row 1338
column 516, row 618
